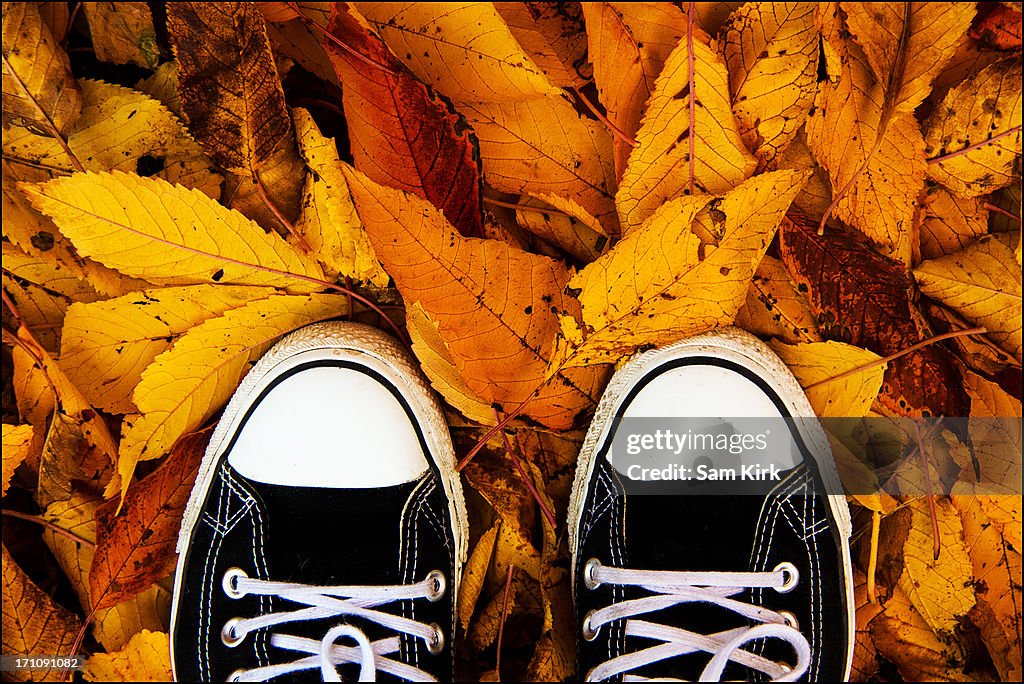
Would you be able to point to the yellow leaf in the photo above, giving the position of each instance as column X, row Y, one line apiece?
column 496, row 307
column 300, row 41
column 816, row 366
column 17, row 443
column 989, row 399
column 37, row 83
column 662, row 282
column 569, row 227
column 908, row 43
column 997, row 578
column 973, row 138
column 865, row 657
column 771, row 51
column 146, row 658
column 52, row 275
column 684, row 147
column 875, row 159
column 982, row 284
column 553, row 36
column 106, row 345
column 329, row 222
column 436, row 361
column 163, row 86
column 122, row 33
column 473, row 575
column 463, row 49
column 544, row 146
column 948, row 223
column 940, row 589
column 187, row 384
column 113, row 627
column 816, row 194
column 628, row 44
column 32, row 623
column 774, row 307
column 711, row 16
column 167, row 234
column 485, row 628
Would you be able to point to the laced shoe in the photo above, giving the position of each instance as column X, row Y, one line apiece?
column 326, row 530
column 751, row 584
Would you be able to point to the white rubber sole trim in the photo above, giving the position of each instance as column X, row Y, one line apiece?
column 353, row 342
column 744, row 349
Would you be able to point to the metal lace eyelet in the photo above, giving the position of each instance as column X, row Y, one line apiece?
column 436, row 643
column 230, row 582
column 229, row 634
column 438, row 585
column 236, row 676
column 790, row 619
column 589, row 633
column 589, row 570
column 791, row 576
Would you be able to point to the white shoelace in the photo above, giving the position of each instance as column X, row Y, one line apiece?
column 673, row 588
column 322, row 602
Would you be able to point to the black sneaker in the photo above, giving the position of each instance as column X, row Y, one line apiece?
column 326, row 531
column 678, row 577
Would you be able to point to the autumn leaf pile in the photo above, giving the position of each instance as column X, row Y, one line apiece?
column 525, row 194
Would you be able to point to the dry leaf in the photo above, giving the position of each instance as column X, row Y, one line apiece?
column 771, row 51
column 39, row 90
column 688, row 141
column 123, row 33
column 817, row 364
column 982, row 284
column 498, row 328
column 473, row 576
column 463, row 49
column 662, row 282
column 1001, row 28
column 774, row 307
column 570, row 227
column 552, row 34
column 163, row 86
column 17, row 445
column 146, row 658
column 948, row 223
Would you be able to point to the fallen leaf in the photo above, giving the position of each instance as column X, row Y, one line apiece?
column 570, row 227
column 688, row 141
column 329, row 222
column 113, row 626
column 498, row 329
column 628, row 44
column 163, row 86
column 292, row 34
column 17, row 443
column 123, row 33
column 774, row 307
column 973, row 137
column 816, row 366
column 544, row 146
column 39, row 91
column 982, row 284
column 864, row 300
column 816, row 195
column 552, row 35
column 185, row 385
column 146, row 658
column 169, row 235
column 32, row 623
column 948, row 223
column 662, row 282
column 473, row 576
column 463, row 49
column 865, row 657
column 135, row 547
column 1000, row 29
column 106, row 345
column 388, row 110
column 771, row 52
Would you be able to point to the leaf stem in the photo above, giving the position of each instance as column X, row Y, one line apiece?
column 615, row 130
column 12, row 308
column 1000, row 210
column 56, row 529
column 876, row 521
column 691, row 10
column 300, row 241
column 504, row 616
column 975, row 146
column 523, row 207
column 43, row 116
column 340, row 43
column 904, row 352
column 548, row 513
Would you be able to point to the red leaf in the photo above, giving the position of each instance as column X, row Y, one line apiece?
column 1000, row 29
column 136, row 548
column 863, row 298
column 403, row 133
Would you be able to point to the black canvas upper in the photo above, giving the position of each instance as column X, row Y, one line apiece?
column 742, row 533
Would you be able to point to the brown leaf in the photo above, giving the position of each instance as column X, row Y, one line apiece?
column 1000, row 29
column 136, row 547
column 863, row 298
column 865, row 656
column 122, row 33
column 388, row 110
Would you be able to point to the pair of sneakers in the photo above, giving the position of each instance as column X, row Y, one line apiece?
column 326, row 532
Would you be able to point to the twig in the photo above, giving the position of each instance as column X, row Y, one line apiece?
column 893, row 357
column 12, row 308
column 548, row 513
column 1000, row 210
column 301, row 241
column 50, row 526
column 691, row 10
column 523, row 207
column 615, row 130
column 971, row 148
column 44, row 116
column 509, row 417
column 504, row 616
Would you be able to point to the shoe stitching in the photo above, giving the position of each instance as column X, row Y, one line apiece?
column 206, row 594
column 410, row 528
